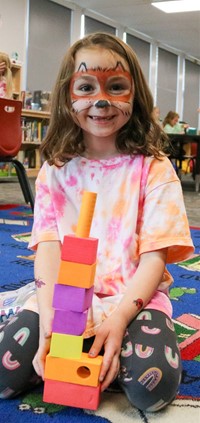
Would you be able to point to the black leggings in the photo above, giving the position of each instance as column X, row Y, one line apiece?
column 150, row 370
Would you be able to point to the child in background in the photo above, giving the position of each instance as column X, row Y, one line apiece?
column 5, row 76
column 156, row 114
column 171, row 124
column 102, row 138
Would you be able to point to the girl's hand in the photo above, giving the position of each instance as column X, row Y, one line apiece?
column 44, row 346
column 109, row 336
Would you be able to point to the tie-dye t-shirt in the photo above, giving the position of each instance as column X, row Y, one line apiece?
column 139, row 208
column 2, row 88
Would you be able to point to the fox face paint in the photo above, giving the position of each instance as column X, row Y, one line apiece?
column 102, row 87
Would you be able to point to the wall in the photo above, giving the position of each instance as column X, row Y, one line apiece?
column 13, row 30
column 14, row 36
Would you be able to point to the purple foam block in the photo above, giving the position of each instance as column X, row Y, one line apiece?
column 69, row 322
column 68, row 297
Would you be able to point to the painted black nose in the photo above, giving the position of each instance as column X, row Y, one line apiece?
column 102, row 103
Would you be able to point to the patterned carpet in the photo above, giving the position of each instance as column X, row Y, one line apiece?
column 16, row 270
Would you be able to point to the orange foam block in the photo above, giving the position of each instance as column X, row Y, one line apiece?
column 72, row 395
column 79, row 250
column 83, row 371
column 66, row 346
column 86, row 214
column 76, row 274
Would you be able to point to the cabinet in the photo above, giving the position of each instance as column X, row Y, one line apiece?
column 34, row 127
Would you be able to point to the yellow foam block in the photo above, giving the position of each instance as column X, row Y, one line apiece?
column 83, row 371
column 76, row 274
column 66, row 346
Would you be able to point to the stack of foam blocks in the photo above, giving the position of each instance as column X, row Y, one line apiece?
column 71, row 376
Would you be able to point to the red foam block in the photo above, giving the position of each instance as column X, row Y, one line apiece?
column 79, row 250
column 72, row 395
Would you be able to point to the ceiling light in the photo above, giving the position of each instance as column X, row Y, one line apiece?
column 178, row 6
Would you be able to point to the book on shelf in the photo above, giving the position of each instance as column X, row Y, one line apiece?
column 30, row 158
column 27, row 99
column 33, row 131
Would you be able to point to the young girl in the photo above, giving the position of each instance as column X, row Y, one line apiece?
column 171, row 124
column 5, row 76
column 102, row 138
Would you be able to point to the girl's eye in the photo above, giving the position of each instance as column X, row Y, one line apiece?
column 86, row 88
column 116, row 87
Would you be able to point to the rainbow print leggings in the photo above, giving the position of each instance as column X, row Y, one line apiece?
column 150, row 364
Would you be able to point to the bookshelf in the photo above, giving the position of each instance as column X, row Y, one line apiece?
column 34, row 127
column 16, row 78
column 36, row 114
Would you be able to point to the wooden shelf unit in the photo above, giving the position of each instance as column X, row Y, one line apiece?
column 34, row 125
column 37, row 114
column 16, row 78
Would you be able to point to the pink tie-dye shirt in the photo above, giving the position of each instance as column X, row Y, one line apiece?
column 2, row 88
column 139, row 208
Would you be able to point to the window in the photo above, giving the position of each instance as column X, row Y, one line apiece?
column 49, row 39
column 92, row 25
column 192, row 93
column 167, row 81
column 142, row 49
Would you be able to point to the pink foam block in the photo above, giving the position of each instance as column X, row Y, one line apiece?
column 68, row 297
column 72, row 395
column 69, row 322
column 79, row 250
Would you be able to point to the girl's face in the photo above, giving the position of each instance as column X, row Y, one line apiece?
column 102, row 92
column 174, row 121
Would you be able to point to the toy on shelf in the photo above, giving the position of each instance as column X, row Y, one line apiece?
column 71, row 376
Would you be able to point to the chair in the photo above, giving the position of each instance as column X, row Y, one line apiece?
column 178, row 155
column 191, row 160
column 10, row 143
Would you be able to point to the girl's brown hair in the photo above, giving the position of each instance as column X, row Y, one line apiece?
column 7, row 74
column 140, row 135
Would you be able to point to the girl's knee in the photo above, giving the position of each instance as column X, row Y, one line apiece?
column 152, row 391
column 18, row 345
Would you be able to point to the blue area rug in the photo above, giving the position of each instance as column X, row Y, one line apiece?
column 16, row 270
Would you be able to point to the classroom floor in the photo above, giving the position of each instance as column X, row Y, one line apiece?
column 10, row 192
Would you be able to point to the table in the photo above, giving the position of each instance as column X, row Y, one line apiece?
column 179, row 140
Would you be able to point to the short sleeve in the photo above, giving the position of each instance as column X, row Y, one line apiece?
column 44, row 225
column 164, row 222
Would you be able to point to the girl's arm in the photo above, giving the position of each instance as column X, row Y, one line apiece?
column 47, row 264
column 110, row 334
